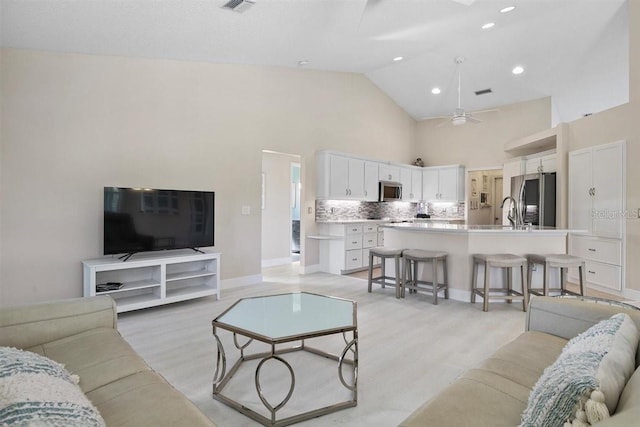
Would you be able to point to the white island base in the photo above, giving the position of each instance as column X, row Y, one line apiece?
column 461, row 242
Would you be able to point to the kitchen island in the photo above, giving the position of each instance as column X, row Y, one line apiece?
column 462, row 241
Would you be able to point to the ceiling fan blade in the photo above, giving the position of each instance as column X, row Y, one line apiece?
column 473, row 119
column 465, row 2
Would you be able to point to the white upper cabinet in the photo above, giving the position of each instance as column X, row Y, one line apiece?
column 340, row 177
column 388, row 172
column 540, row 164
column 443, row 183
column 370, row 181
column 411, row 179
column 596, row 189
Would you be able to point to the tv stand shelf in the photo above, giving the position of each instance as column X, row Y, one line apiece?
column 157, row 279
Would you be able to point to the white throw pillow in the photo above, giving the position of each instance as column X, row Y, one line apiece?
column 37, row 392
column 586, row 380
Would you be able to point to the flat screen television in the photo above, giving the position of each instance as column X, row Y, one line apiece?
column 141, row 220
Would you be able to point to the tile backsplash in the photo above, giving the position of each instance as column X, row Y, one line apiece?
column 346, row 210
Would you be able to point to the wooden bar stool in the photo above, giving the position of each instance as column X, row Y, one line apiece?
column 383, row 254
column 560, row 261
column 507, row 262
column 412, row 258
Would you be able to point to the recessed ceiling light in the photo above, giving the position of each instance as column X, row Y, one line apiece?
column 507, row 9
column 398, row 58
column 488, row 25
column 517, row 70
column 303, row 62
column 435, row 91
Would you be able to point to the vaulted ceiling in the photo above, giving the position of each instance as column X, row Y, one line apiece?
column 575, row 51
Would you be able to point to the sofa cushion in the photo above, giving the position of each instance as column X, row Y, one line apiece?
column 602, row 358
column 98, row 356
column 145, row 399
column 36, row 391
column 495, row 393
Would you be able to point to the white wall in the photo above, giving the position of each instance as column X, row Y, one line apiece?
column 604, row 56
column 72, row 124
column 481, row 145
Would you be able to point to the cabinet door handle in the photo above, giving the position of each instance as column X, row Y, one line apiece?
column 592, row 272
column 594, row 191
column 355, row 243
column 591, row 250
column 365, row 193
column 354, row 259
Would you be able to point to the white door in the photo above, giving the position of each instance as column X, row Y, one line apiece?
column 338, row 177
column 416, row 185
column 371, row 181
column 449, row 183
column 496, row 199
column 580, row 189
column 607, row 189
column 430, row 184
column 407, row 187
column 356, row 179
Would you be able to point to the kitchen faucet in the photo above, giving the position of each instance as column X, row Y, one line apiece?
column 514, row 212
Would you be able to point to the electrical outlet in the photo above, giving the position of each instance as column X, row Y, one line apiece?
column 246, row 210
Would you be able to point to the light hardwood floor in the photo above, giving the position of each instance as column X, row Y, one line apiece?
column 409, row 349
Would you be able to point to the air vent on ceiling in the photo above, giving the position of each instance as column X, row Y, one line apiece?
column 483, row 91
column 238, row 5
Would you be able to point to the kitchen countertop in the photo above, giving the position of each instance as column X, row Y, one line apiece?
column 463, row 228
column 387, row 220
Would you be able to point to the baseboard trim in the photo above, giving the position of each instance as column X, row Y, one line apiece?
column 275, row 262
column 632, row 294
column 308, row 269
column 459, row 295
column 241, row 281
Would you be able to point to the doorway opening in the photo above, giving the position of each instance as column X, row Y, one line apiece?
column 484, row 196
column 281, row 201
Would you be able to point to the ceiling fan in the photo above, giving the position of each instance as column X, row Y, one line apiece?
column 460, row 116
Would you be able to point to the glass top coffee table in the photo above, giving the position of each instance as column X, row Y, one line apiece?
column 281, row 319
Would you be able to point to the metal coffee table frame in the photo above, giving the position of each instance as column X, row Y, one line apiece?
column 221, row 377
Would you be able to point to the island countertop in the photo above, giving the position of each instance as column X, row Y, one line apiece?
column 461, row 242
column 464, row 228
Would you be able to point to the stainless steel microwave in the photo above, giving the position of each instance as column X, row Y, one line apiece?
column 390, row 191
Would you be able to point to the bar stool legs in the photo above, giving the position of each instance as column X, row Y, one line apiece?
column 507, row 262
column 383, row 279
column 560, row 261
column 412, row 258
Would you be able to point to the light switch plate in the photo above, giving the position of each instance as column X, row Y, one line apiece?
column 246, row 210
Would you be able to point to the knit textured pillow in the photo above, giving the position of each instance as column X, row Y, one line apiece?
column 584, row 384
column 37, row 392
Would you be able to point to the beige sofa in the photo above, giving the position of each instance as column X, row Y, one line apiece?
column 496, row 392
column 81, row 334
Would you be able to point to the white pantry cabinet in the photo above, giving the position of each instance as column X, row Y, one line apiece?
column 597, row 204
column 154, row 279
column 596, row 189
column 443, row 183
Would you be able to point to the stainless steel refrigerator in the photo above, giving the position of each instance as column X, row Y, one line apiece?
column 536, row 197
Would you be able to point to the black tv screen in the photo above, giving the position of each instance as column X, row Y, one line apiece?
column 141, row 220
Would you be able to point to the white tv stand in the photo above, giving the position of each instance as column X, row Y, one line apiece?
column 154, row 279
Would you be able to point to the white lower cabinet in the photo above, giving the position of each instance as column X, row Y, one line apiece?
column 149, row 280
column 347, row 250
column 603, row 260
